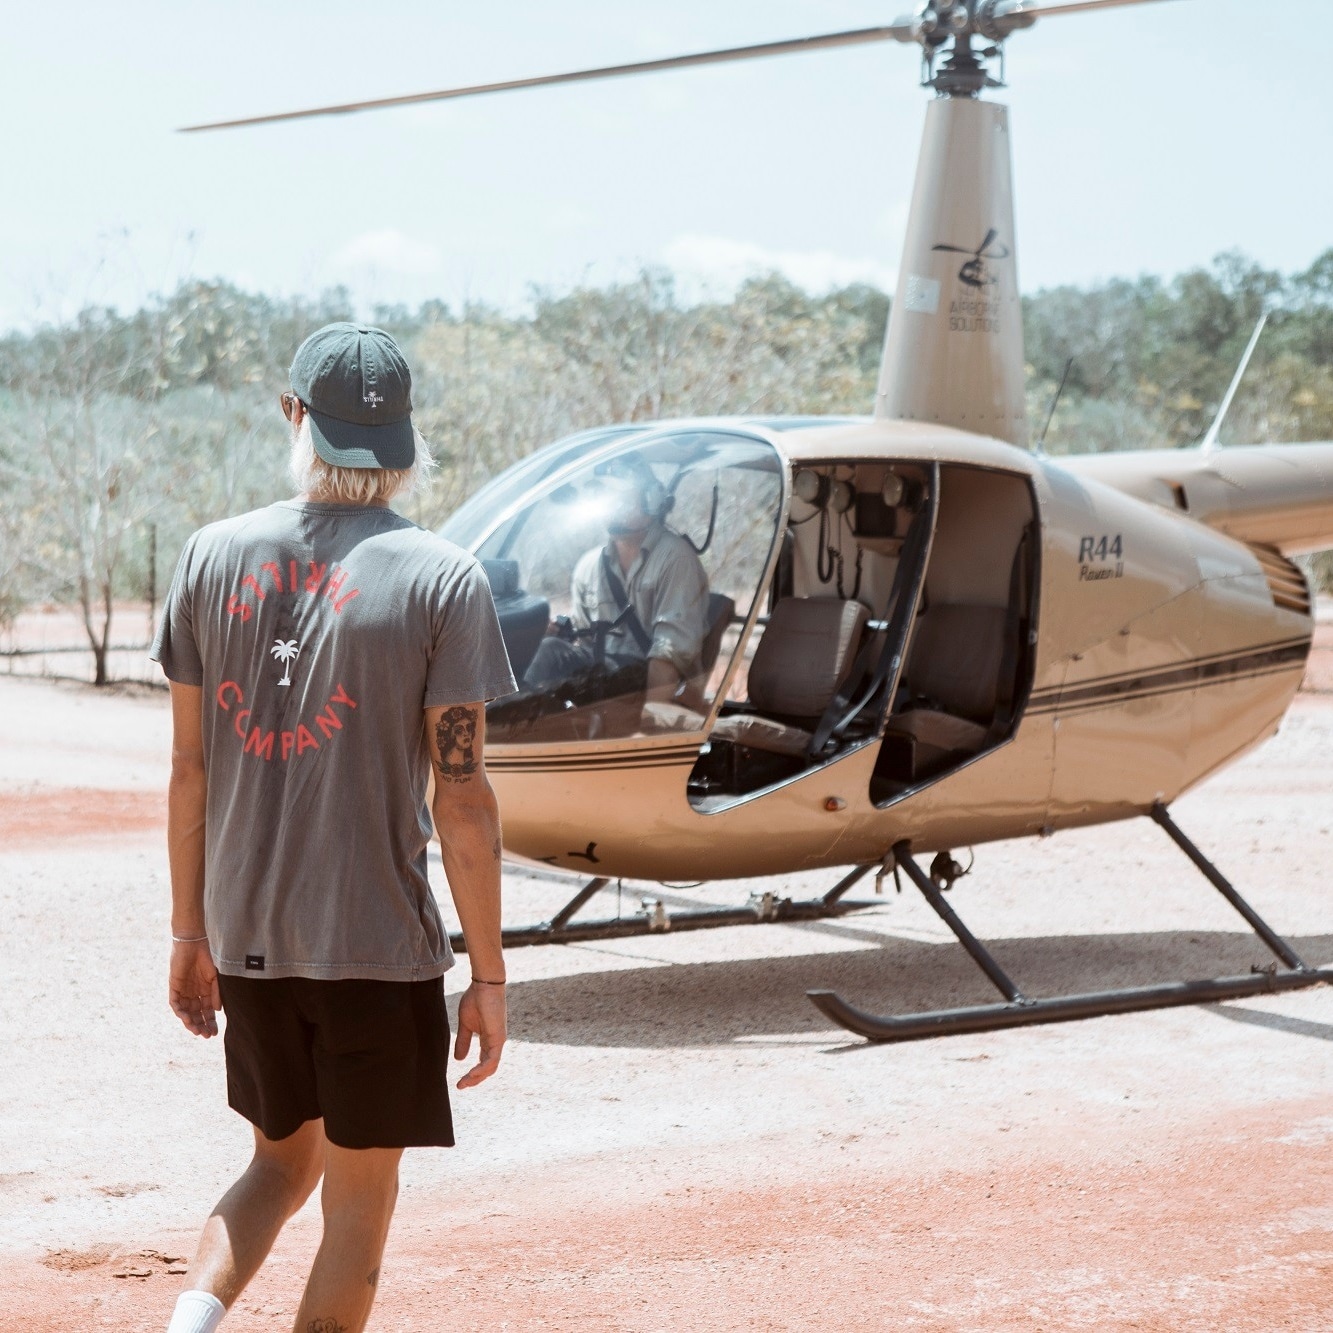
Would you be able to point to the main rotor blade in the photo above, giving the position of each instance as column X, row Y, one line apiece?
column 1039, row 9
column 903, row 31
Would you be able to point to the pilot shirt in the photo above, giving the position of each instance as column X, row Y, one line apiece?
column 668, row 589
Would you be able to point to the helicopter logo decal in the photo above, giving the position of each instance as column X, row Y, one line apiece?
column 976, row 272
column 976, row 308
column 589, row 855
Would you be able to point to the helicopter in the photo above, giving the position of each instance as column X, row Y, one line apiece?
column 912, row 631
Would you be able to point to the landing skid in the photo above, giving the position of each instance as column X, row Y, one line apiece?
column 1019, row 1010
column 653, row 918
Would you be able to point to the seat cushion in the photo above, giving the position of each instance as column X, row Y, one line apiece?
column 807, row 650
column 660, row 715
column 761, row 733
column 941, row 731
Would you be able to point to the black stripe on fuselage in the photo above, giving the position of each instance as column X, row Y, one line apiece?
column 563, row 763
column 1123, row 687
column 1301, row 645
column 1213, row 670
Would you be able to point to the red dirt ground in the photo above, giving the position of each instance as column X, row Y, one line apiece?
column 1085, row 1216
column 1224, row 1230
column 72, row 813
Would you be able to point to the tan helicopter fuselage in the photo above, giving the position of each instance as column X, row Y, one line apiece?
column 866, row 640
column 1166, row 629
column 1168, row 635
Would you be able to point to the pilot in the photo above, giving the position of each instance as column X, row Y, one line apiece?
column 647, row 581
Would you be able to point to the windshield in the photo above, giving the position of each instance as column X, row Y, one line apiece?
column 475, row 515
column 622, row 587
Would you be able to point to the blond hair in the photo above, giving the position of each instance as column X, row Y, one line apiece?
column 321, row 480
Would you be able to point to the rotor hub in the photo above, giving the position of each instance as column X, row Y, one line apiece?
column 947, row 31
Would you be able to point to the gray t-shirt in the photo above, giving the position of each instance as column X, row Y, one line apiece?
column 319, row 633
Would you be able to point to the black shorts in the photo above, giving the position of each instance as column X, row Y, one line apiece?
column 370, row 1057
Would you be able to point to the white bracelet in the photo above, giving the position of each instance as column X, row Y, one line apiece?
column 190, row 939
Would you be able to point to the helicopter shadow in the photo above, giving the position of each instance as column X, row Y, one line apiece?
column 1262, row 1018
column 721, row 1003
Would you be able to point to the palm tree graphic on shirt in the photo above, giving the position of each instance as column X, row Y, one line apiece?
column 286, row 651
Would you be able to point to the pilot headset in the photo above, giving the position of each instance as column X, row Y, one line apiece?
column 654, row 498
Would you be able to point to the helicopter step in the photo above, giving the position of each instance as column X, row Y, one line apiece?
column 1020, row 1010
column 653, row 918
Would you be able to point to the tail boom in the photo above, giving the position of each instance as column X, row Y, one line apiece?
column 1278, row 496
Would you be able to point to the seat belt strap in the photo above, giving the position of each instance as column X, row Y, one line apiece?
column 628, row 614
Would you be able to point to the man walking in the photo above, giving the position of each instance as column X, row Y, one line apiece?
column 324, row 653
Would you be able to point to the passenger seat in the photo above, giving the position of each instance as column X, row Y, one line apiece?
column 953, row 677
column 806, row 652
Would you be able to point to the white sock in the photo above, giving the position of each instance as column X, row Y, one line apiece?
column 196, row 1312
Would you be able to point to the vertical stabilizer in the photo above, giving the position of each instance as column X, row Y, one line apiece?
column 954, row 349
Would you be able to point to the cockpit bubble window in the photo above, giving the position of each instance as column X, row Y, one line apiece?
column 622, row 584
column 471, row 519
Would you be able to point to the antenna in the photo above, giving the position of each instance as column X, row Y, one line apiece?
column 1210, row 440
column 1040, row 446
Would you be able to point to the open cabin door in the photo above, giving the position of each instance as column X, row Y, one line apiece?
column 900, row 614
column 819, row 671
column 969, row 662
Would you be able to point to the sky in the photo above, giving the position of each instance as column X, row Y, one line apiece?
column 1146, row 140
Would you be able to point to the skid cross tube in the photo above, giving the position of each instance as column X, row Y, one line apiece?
column 1020, row 1010
column 657, row 920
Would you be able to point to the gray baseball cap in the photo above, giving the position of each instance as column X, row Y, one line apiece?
column 357, row 388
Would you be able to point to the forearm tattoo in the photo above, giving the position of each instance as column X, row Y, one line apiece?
column 325, row 1326
column 456, row 736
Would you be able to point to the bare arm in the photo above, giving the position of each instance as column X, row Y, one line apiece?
column 193, row 985
column 467, row 819
column 663, row 678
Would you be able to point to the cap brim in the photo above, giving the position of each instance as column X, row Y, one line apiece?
column 346, row 444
